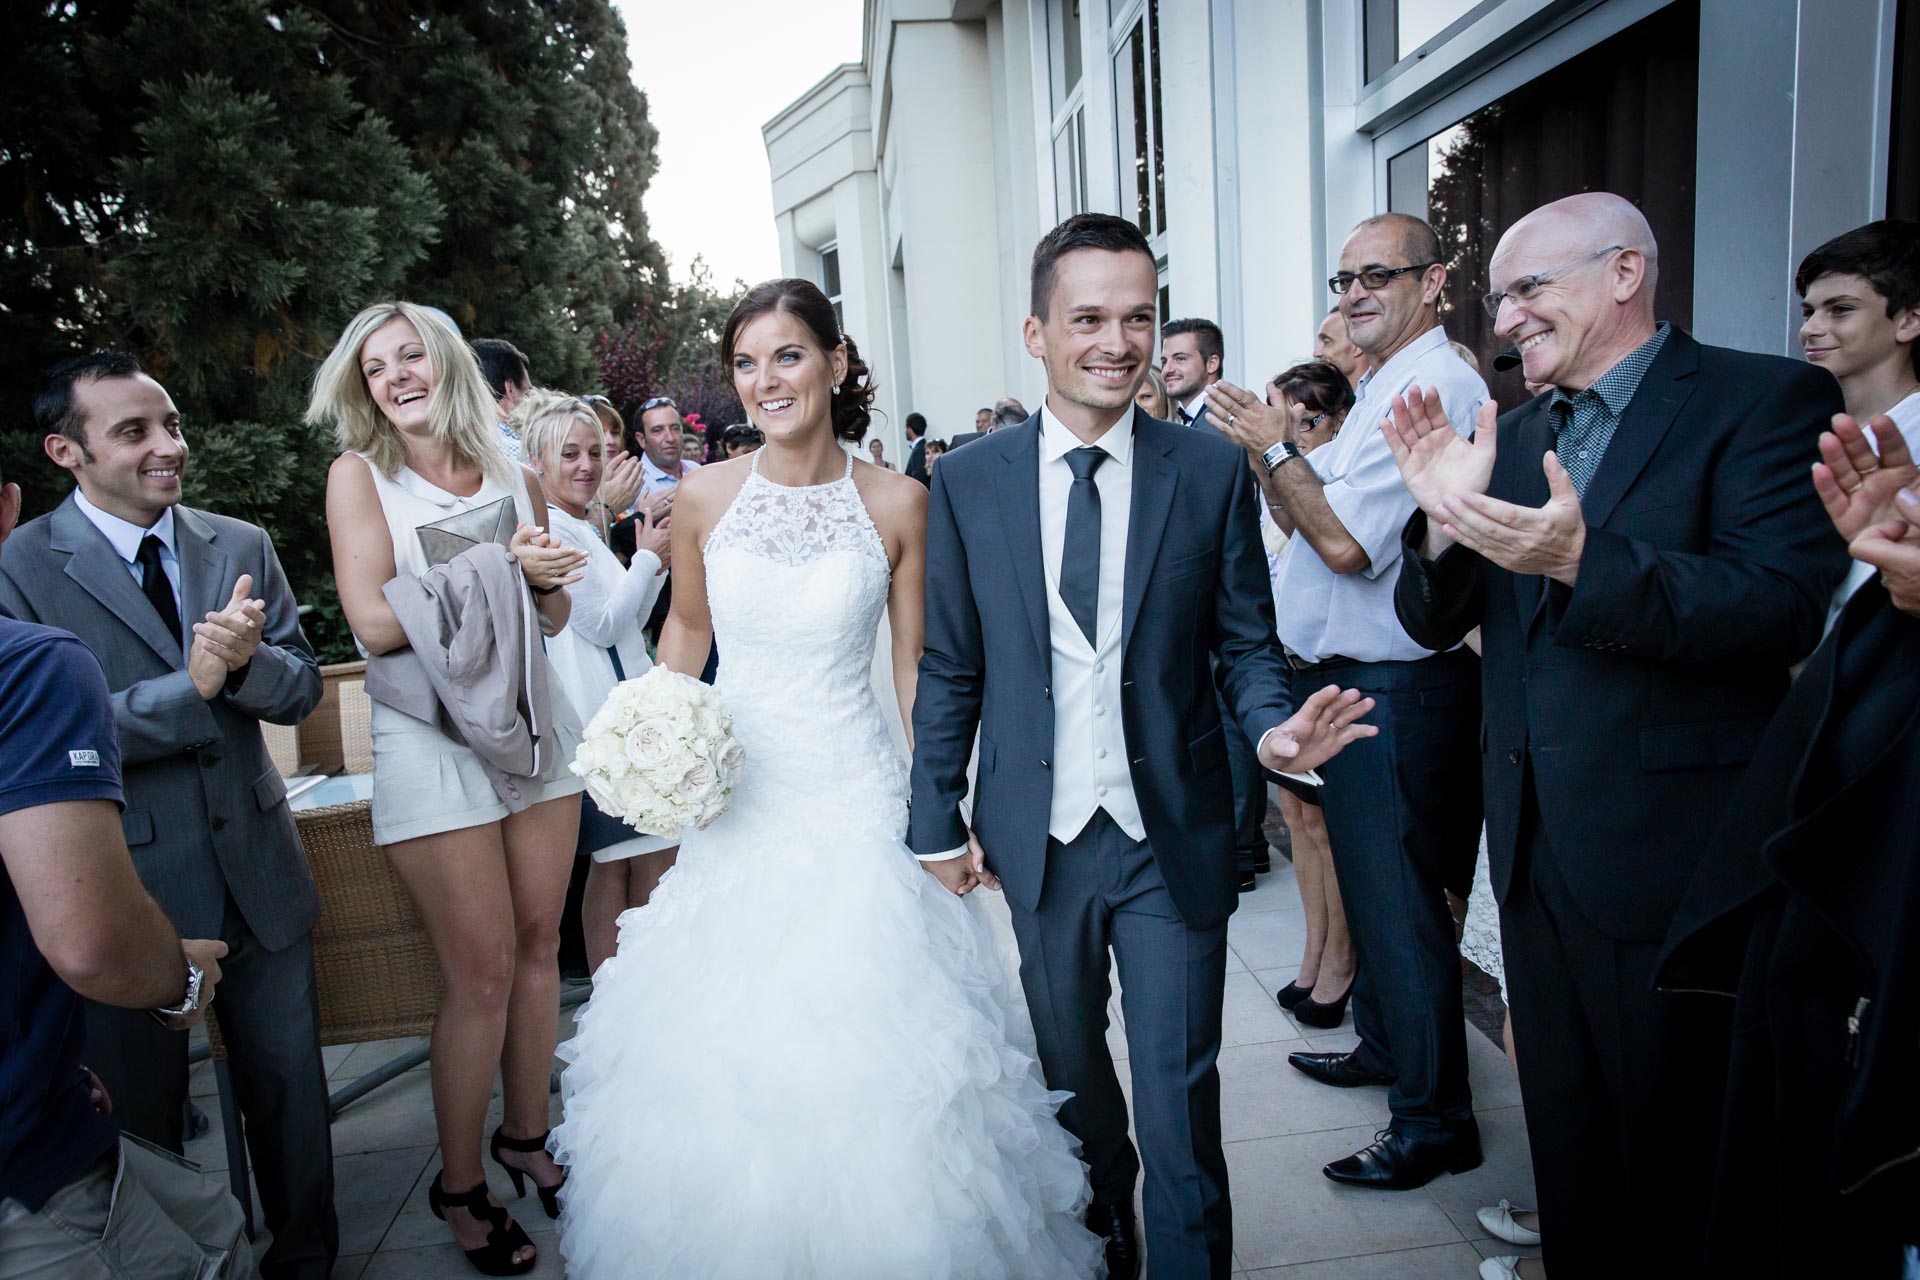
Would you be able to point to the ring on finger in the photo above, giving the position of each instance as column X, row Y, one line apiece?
column 1856, row 488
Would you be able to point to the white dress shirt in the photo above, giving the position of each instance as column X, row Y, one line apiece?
column 653, row 479
column 1323, row 614
column 126, row 537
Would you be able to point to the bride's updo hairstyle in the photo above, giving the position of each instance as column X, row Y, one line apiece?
column 854, row 396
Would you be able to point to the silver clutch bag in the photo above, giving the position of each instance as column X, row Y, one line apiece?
column 444, row 539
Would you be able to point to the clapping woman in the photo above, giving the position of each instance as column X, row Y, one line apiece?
column 602, row 645
column 408, row 405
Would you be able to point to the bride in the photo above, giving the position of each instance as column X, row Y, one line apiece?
column 799, row 1061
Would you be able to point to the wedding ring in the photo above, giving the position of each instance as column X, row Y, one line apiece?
column 1232, row 418
column 1857, row 488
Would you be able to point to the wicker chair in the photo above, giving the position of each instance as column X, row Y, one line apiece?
column 374, row 966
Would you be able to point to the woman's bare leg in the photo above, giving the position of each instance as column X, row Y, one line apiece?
column 600, row 907
column 1336, row 955
column 459, row 885
column 1309, row 877
column 539, row 857
column 645, row 875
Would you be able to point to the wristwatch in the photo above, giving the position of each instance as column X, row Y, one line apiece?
column 189, row 1006
column 1278, row 453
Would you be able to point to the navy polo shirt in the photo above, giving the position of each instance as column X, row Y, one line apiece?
column 57, row 744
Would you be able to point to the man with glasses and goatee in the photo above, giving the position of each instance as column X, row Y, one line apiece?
column 1403, row 808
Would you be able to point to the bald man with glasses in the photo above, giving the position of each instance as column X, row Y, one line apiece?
column 1646, row 560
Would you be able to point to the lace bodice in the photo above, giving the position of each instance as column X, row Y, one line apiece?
column 797, row 579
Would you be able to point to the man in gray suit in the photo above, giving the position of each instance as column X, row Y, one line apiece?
column 165, row 597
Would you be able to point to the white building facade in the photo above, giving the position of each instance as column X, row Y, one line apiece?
column 1248, row 136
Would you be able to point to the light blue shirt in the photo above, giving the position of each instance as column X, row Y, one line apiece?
column 125, row 538
column 1323, row 614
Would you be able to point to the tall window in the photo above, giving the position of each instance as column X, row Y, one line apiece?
column 1136, row 96
column 1617, row 118
column 830, row 279
column 1396, row 29
column 1068, row 97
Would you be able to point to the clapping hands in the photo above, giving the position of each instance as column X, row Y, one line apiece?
column 1448, row 476
column 225, row 642
column 1857, row 486
column 545, row 561
column 620, row 482
column 1318, row 731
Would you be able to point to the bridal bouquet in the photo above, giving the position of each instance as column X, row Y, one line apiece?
column 660, row 754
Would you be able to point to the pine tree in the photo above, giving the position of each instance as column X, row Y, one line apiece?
column 218, row 185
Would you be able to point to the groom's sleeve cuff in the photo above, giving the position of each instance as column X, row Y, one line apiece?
column 939, row 857
column 1310, row 778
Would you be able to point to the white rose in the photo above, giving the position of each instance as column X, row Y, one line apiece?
column 697, row 781
column 648, row 747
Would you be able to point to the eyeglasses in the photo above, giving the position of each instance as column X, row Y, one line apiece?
column 1527, row 288
column 1375, row 278
column 659, row 402
column 1313, row 420
column 598, row 399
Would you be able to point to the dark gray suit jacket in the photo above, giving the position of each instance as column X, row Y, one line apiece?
column 206, row 811
column 1196, row 586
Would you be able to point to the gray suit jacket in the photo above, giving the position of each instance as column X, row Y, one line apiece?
column 206, row 810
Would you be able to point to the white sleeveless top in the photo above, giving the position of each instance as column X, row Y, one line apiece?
column 408, row 501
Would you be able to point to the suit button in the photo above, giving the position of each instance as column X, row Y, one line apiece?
column 218, row 823
column 1046, row 764
column 1047, row 694
column 1513, row 756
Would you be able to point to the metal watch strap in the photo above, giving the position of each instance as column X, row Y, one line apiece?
column 1278, row 453
column 196, row 977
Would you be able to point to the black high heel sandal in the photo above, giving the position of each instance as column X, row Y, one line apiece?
column 505, row 1237
column 1312, row 1013
column 549, row 1196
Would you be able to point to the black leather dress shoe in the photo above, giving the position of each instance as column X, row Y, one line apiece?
column 1114, row 1224
column 1336, row 1069
column 1401, row 1162
column 1247, row 882
column 1263, row 860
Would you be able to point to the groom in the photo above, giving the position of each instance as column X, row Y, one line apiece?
column 1081, row 568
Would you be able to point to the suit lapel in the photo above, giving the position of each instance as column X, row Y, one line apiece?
column 1526, row 485
column 1155, row 477
column 1018, row 489
column 98, row 569
column 1643, row 426
column 207, row 571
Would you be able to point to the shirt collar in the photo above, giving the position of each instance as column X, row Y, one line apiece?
column 125, row 535
column 1616, row 386
column 1395, row 368
column 1056, row 441
column 1194, row 405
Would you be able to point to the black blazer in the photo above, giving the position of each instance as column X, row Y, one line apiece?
column 1196, row 583
column 916, row 468
column 1823, row 839
column 1639, row 694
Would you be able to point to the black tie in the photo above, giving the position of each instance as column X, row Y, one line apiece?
column 1080, row 554
column 159, row 592
column 1186, row 419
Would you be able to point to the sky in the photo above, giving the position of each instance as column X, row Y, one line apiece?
column 714, row 71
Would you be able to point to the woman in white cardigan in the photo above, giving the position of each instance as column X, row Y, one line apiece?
column 602, row 644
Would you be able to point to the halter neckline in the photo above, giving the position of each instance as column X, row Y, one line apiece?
column 754, row 468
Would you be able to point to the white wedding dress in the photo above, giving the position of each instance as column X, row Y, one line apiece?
column 803, row 1060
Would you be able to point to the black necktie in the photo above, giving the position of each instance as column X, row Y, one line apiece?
column 153, row 582
column 1186, row 419
column 1080, row 552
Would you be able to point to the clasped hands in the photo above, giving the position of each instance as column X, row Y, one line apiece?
column 1874, row 501
column 1325, row 723
column 1448, row 474
column 545, row 561
column 225, row 641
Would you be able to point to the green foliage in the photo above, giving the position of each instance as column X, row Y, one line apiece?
column 218, row 185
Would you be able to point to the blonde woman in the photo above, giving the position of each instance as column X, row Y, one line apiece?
column 408, row 405
column 603, row 644
column 1152, row 396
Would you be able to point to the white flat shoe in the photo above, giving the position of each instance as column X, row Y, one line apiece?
column 1500, row 1268
column 1499, row 1223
